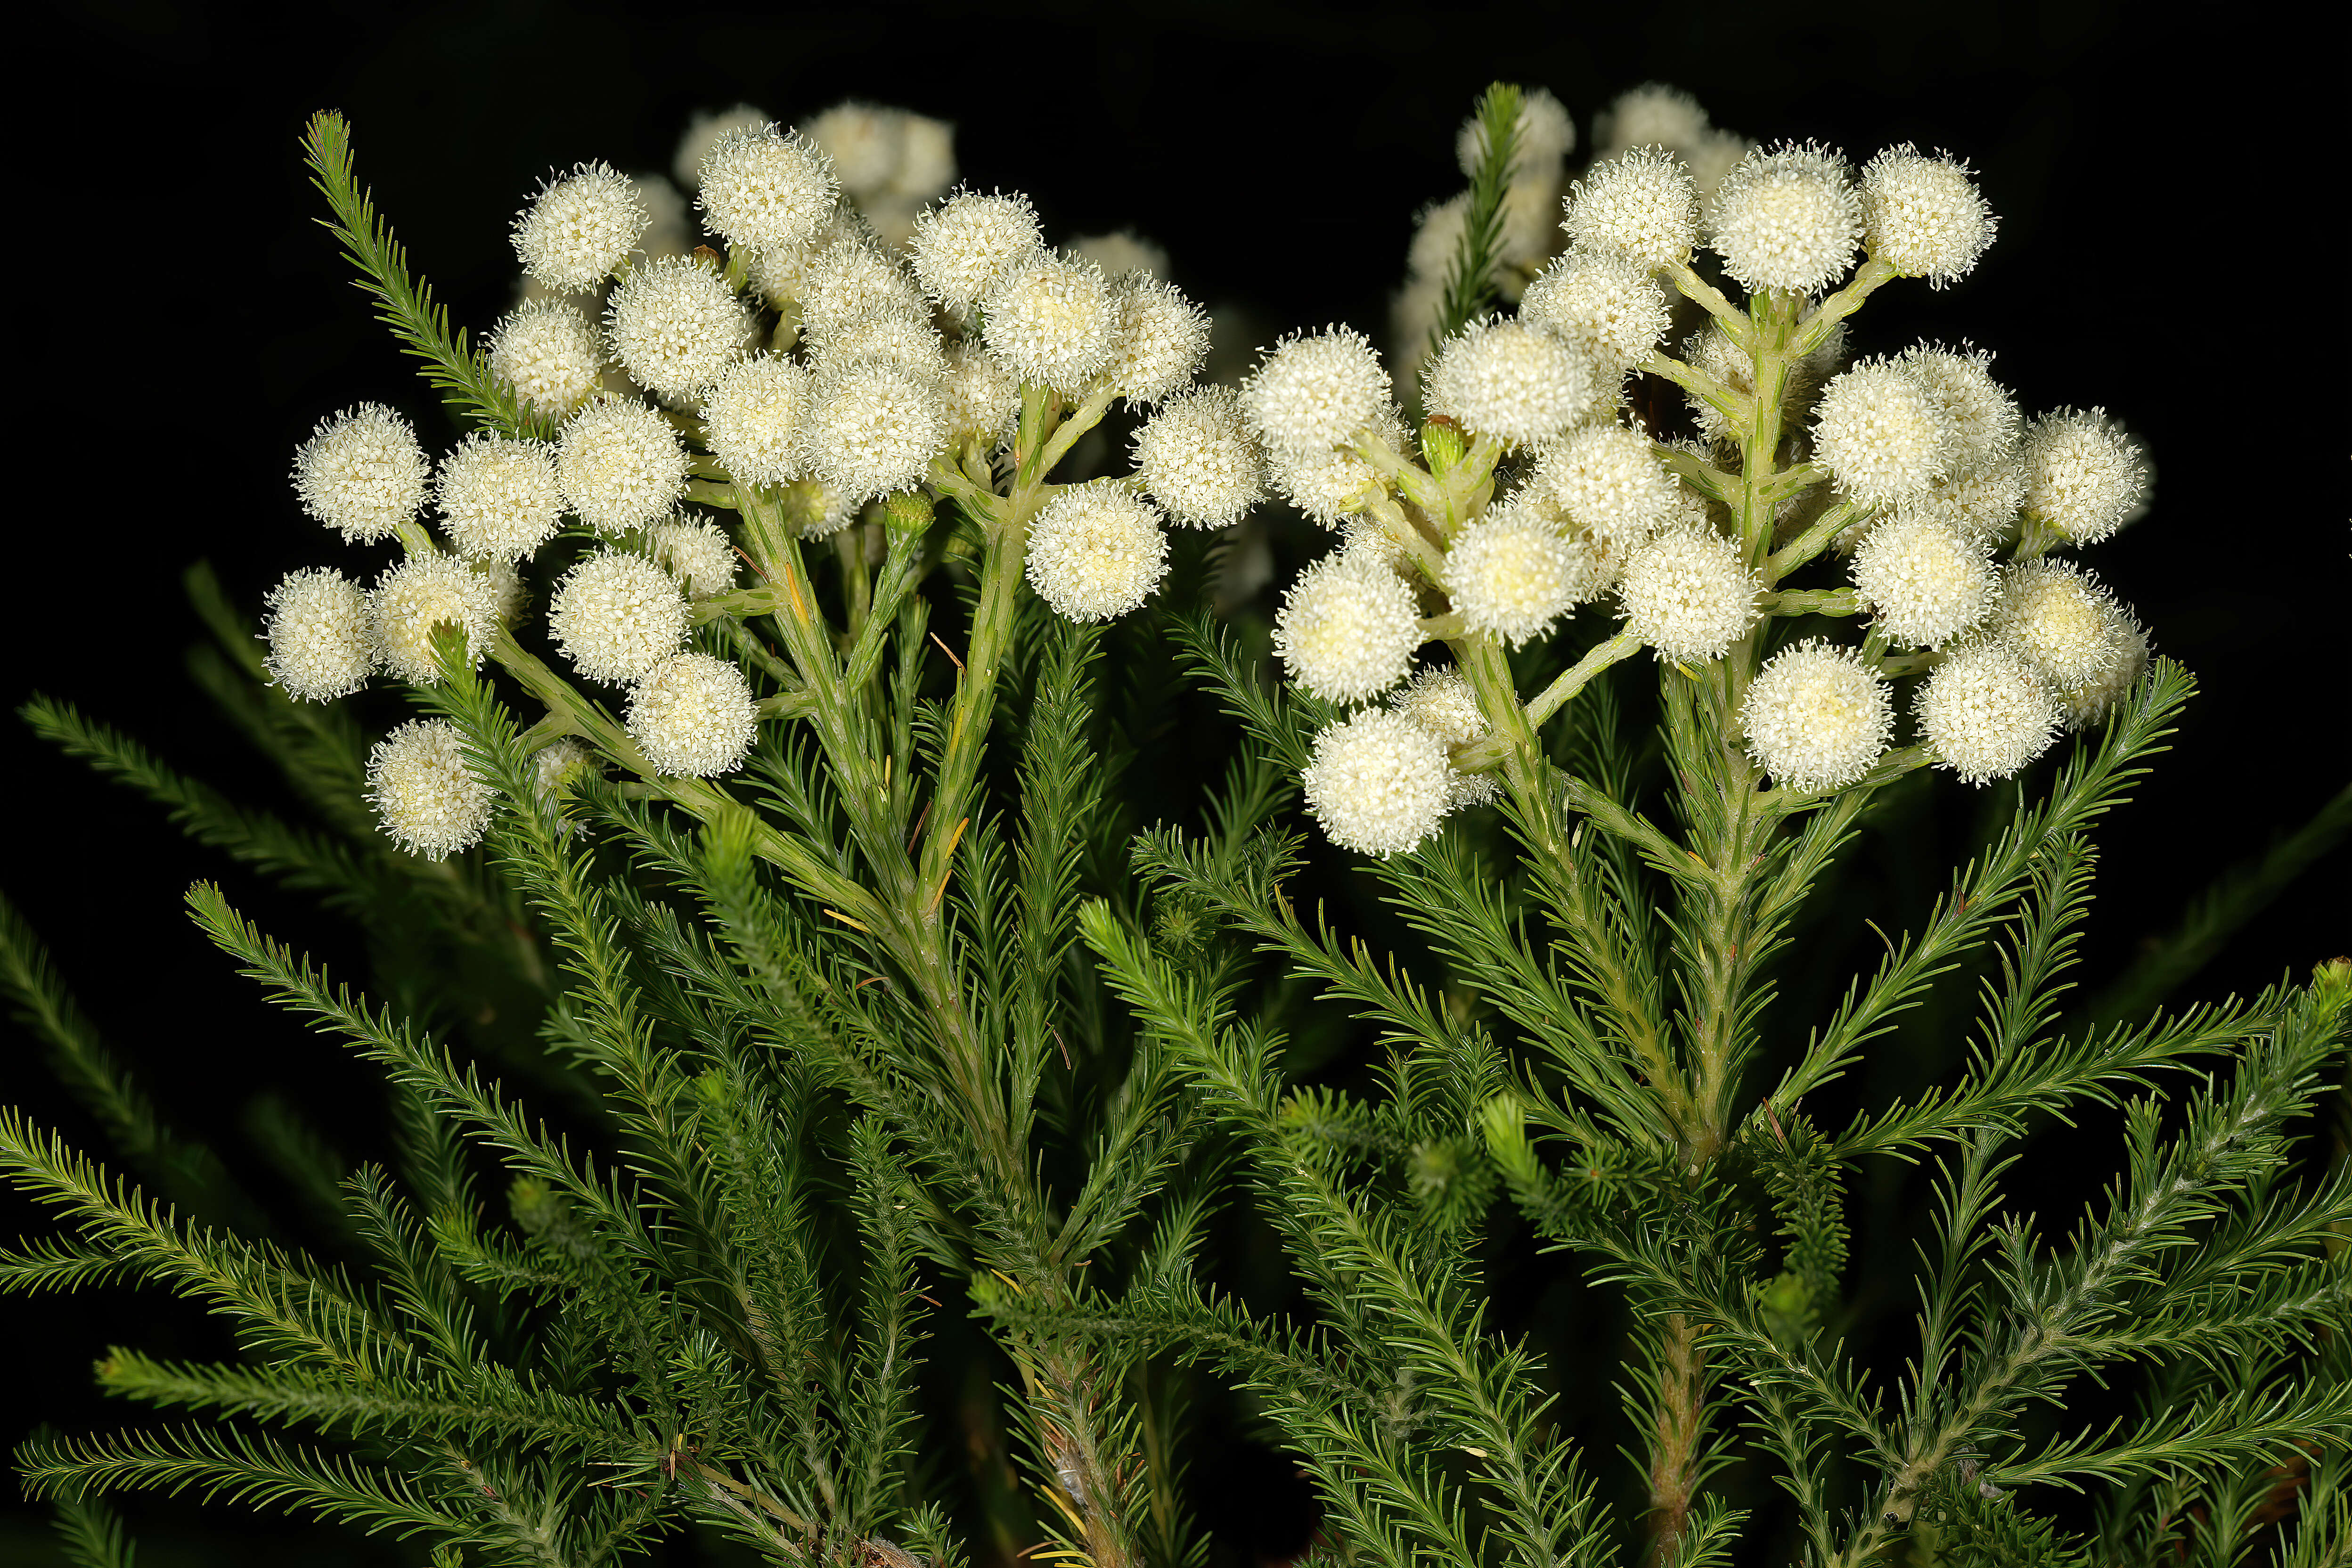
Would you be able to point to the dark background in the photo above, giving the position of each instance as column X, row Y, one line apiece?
column 2164, row 192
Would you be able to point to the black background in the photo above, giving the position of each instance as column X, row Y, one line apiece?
column 2166, row 192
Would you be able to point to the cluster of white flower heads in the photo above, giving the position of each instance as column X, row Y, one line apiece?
column 753, row 419
column 1197, row 458
column 1097, row 551
column 362, row 473
column 675, row 325
column 1512, row 573
column 765, row 189
column 1639, row 205
column 1925, row 580
column 550, row 354
column 498, row 499
column 1817, row 716
column 1884, row 432
column 1987, row 712
column 1515, row 383
column 322, row 645
column 418, row 596
column 616, row 615
column 1602, row 303
column 964, row 245
column 2085, row 477
column 1315, row 393
column 873, row 427
column 1687, row 595
column 620, row 465
column 1787, row 218
column 1053, row 319
column 693, row 715
column 425, row 795
column 1924, row 217
column 1346, row 629
column 580, row 227
column 1379, row 783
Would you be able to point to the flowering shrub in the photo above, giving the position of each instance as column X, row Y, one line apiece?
column 785, row 632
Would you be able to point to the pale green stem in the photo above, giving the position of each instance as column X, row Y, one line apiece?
column 1697, row 473
column 1815, row 539
column 1823, row 319
column 1728, row 401
column 1549, row 701
column 1814, row 602
column 1728, row 316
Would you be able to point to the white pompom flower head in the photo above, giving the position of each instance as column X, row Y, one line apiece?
column 362, row 473
column 2065, row 621
column 1923, row 216
column 675, row 325
column 1787, row 219
column 412, row 601
column 1816, row 717
column 1097, row 551
column 1346, row 629
column 2084, row 474
column 1511, row 380
column 1053, row 319
column 1687, row 595
column 1602, row 303
column 620, row 465
column 1379, row 783
column 1987, row 712
column 693, row 715
column 427, row 798
column 321, row 643
column 1315, row 393
column 1197, row 457
column 616, row 615
column 1924, row 580
column 765, row 189
column 1161, row 340
column 1513, row 572
column 498, row 499
column 1883, row 431
column 580, row 227
column 873, row 427
column 755, row 417
column 964, row 245
column 550, row 354
column 1640, row 205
